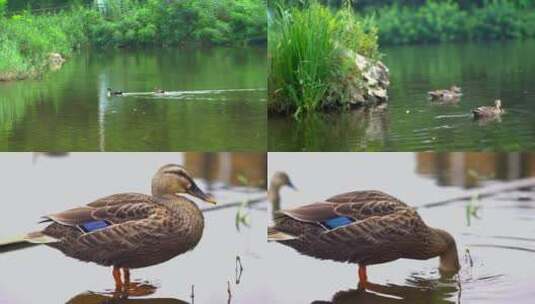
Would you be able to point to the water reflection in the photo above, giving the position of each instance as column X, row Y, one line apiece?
column 425, row 293
column 236, row 169
column 469, row 169
column 92, row 298
column 336, row 131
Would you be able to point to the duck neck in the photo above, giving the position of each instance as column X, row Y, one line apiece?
column 449, row 258
column 274, row 196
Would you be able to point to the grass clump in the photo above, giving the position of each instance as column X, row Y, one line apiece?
column 308, row 49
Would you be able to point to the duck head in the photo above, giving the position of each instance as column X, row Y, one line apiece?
column 498, row 104
column 455, row 89
column 174, row 179
column 281, row 179
column 447, row 251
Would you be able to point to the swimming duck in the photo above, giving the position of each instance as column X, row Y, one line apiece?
column 453, row 94
column 279, row 180
column 129, row 230
column 114, row 93
column 489, row 111
column 159, row 91
column 363, row 227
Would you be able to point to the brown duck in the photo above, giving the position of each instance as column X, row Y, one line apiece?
column 365, row 228
column 453, row 94
column 489, row 111
column 129, row 230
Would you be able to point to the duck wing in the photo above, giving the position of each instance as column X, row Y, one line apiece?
column 338, row 211
column 113, row 209
column 376, row 239
column 363, row 204
column 111, row 229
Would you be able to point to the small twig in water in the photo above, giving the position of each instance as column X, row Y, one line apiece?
column 192, row 294
column 229, row 292
column 238, row 270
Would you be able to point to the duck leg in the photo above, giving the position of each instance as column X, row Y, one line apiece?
column 126, row 273
column 363, row 276
column 117, row 277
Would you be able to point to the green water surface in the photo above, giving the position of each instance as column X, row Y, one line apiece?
column 409, row 122
column 68, row 110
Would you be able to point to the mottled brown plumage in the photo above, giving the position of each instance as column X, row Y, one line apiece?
column 382, row 229
column 489, row 111
column 145, row 230
column 140, row 230
column 453, row 94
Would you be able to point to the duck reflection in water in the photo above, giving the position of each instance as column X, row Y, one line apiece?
column 94, row 298
column 417, row 291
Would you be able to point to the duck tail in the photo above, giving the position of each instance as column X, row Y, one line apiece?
column 276, row 236
column 25, row 241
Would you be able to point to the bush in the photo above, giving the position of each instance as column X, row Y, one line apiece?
column 440, row 21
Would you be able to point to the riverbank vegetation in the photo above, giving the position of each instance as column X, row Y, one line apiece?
column 429, row 21
column 311, row 52
column 444, row 21
column 27, row 38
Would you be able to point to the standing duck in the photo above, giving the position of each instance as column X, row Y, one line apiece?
column 279, row 180
column 489, row 111
column 114, row 93
column 129, row 230
column 365, row 228
column 453, row 94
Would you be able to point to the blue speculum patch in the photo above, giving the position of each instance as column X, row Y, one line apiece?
column 337, row 222
column 94, row 225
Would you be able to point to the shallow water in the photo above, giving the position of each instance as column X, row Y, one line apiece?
column 44, row 275
column 214, row 94
column 485, row 71
column 496, row 246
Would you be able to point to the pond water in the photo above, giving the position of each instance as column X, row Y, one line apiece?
column 217, row 102
column 496, row 242
column 485, row 71
column 45, row 275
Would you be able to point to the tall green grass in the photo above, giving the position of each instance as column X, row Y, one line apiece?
column 307, row 48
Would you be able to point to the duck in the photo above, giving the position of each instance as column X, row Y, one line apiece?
column 279, row 180
column 129, row 230
column 114, row 93
column 453, row 94
column 363, row 228
column 159, row 91
column 489, row 111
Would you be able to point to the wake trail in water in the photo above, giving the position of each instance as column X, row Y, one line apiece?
column 453, row 116
column 171, row 94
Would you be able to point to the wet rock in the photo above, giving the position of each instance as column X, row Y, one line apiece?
column 371, row 87
column 55, row 61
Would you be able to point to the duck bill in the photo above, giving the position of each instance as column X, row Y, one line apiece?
column 291, row 185
column 194, row 190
